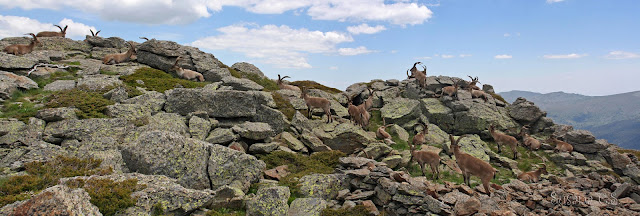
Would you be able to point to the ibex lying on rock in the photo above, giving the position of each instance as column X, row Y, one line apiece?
column 282, row 85
column 472, row 84
column 94, row 34
column 503, row 139
column 561, row 146
column 62, row 33
column 529, row 141
column 533, row 176
column 479, row 94
column 382, row 134
column 120, row 57
column 21, row 49
column 473, row 166
column 317, row 102
column 186, row 73
column 424, row 157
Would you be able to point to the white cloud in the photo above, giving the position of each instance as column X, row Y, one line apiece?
column 507, row 35
column 188, row 11
column 333, row 68
column 423, row 58
column 365, row 29
column 554, row 1
column 503, row 57
column 567, row 56
column 622, row 55
column 281, row 46
column 394, row 51
column 465, row 55
column 354, row 51
column 15, row 26
column 447, row 56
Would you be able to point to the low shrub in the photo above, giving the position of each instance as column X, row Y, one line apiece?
column 157, row 80
column 109, row 196
column 314, row 85
column 91, row 104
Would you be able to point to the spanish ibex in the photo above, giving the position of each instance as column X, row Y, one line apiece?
column 283, row 85
column 561, row 146
column 421, row 76
column 317, row 102
column 529, row 141
column 472, row 84
column 423, row 157
column 478, row 94
column 95, row 34
column 186, row 73
column 62, row 33
column 119, row 57
column 414, row 70
column 533, row 176
column 382, row 134
column 368, row 104
column 503, row 139
column 21, row 49
column 470, row 165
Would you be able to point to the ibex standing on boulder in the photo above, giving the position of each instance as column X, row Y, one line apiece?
column 120, row 57
column 451, row 91
column 421, row 76
column 62, row 33
column 470, row 165
column 424, row 157
column 317, row 102
column 186, row 73
column 21, row 49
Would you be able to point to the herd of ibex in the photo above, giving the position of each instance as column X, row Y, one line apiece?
column 359, row 114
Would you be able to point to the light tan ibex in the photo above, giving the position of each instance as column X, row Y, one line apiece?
column 533, row 176
column 561, row 146
column 529, row 141
column 119, row 57
column 479, row 94
column 94, row 34
column 317, row 102
column 472, row 84
column 186, row 73
column 470, row 165
column 21, row 49
column 423, row 157
column 282, row 85
column 451, row 91
column 503, row 139
column 354, row 112
column 62, row 33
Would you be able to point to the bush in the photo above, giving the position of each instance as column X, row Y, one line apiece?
column 109, row 196
column 498, row 97
column 91, row 104
column 284, row 105
column 268, row 84
column 157, row 80
column 43, row 175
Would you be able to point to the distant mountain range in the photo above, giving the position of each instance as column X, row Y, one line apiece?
column 615, row 118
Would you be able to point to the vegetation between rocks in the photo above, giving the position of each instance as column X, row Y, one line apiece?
column 91, row 104
column 284, row 106
column 157, row 80
column 109, row 196
column 24, row 104
column 226, row 212
column 308, row 84
column 358, row 210
column 268, row 84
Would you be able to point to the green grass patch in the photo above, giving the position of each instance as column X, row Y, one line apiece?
column 314, row 85
column 630, row 151
column 375, row 121
column 503, row 176
column 109, row 196
column 22, row 104
column 72, row 63
column 157, row 80
column 91, row 104
column 498, row 97
column 226, row 212
column 43, row 175
column 69, row 74
column 268, row 84
column 358, row 210
column 527, row 159
column 110, row 73
column 284, row 106
column 301, row 165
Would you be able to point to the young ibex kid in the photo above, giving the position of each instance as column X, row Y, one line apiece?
column 470, row 165
column 120, row 57
column 186, row 73
column 21, row 49
column 317, row 102
column 62, row 33
column 503, row 139
column 282, row 85
column 561, row 146
column 424, row 157
column 533, row 176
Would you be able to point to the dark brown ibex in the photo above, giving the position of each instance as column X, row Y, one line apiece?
column 282, row 85
column 317, row 102
column 62, row 33
column 21, row 49
column 470, row 165
column 186, row 73
column 413, row 70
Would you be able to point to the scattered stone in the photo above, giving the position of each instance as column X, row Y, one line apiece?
column 58, row 199
column 269, row 201
column 57, row 114
column 254, row 130
column 307, row 207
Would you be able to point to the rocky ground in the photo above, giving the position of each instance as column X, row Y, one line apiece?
column 133, row 139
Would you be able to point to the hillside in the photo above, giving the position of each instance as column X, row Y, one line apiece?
column 79, row 137
column 613, row 117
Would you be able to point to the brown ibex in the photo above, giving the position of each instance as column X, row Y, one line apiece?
column 317, row 102
column 561, row 146
column 369, row 102
column 503, row 139
column 423, row 157
column 451, row 91
column 186, row 73
column 119, row 57
column 421, row 76
column 529, row 141
column 354, row 112
column 470, row 165
column 533, row 176
column 479, row 94
column 62, row 33
column 413, row 70
column 472, row 84
column 282, row 85
column 94, row 34
column 21, row 49
column 382, row 134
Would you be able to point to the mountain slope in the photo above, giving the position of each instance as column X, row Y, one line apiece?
column 613, row 117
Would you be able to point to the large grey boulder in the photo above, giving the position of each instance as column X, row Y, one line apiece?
column 218, row 104
column 128, row 111
column 98, row 82
column 167, row 122
column 236, row 169
column 254, row 130
column 478, row 118
column 13, row 62
column 152, row 99
column 270, row 201
column 241, row 84
column 10, row 82
column 525, row 111
column 276, row 119
column 15, row 158
column 162, row 54
column 63, row 44
column 579, row 137
column 472, row 145
column 15, row 132
column 325, row 186
column 170, row 154
column 56, row 200
column 199, row 127
column 247, row 68
column 93, row 134
column 345, row 137
column 60, row 85
column 403, row 112
column 438, row 113
column 307, row 207
column 593, row 147
column 110, row 42
column 57, row 114
column 221, row 136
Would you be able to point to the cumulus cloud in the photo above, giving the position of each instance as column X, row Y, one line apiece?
column 503, row 57
column 354, row 51
column 15, row 26
column 567, row 56
column 187, row 11
column 365, row 29
column 280, row 46
column 622, row 55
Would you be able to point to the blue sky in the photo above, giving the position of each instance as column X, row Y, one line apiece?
column 580, row 46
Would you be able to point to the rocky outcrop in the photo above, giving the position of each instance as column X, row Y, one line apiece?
column 162, row 54
column 525, row 111
column 56, row 200
column 247, row 68
column 269, row 201
column 10, row 82
column 345, row 137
